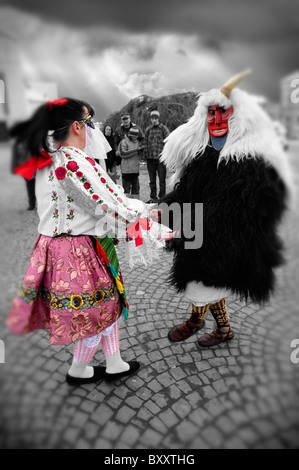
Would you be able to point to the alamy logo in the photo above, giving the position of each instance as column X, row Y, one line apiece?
column 2, row 352
column 2, row 92
column 187, row 223
column 295, row 93
column 295, row 353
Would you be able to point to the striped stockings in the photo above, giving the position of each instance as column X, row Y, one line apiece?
column 84, row 352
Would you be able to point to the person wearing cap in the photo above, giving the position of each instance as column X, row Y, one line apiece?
column 123, row 129
column 154, row 143
column 129, row 150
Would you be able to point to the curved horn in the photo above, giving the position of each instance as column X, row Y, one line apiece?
column 233, row 81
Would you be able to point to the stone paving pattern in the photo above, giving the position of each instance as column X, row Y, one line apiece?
column 243, row 394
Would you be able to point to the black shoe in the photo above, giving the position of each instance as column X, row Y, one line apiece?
column 134, row 366
column 98, row 374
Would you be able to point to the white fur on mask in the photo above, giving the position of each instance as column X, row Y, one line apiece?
column 251, row 132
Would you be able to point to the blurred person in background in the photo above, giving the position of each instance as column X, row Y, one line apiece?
column 112, row 160
column 153, row 146
column 130, row 150
column 20, row 156
column 73, row 286
column 124, row 128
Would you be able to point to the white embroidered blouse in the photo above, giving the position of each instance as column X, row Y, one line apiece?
column 76, row 196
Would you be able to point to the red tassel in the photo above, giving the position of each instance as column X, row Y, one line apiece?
column 28, row 169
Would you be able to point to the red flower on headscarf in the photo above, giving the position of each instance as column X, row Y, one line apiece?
column 86, row 185
column 60, row 173
column 95, row 196
column 79, row 174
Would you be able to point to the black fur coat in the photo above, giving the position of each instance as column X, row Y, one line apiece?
column 243, row 203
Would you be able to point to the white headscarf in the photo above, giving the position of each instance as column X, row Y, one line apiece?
column 97, row 145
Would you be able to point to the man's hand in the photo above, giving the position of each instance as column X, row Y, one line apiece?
column 155, row 214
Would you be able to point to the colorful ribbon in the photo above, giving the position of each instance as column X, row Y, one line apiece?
column 58, row 102
column 106, row 247
column 134, row 230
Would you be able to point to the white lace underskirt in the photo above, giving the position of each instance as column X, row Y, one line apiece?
column 95, row 340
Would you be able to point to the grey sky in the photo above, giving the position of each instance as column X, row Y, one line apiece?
column 159, row 46
column 262, row 20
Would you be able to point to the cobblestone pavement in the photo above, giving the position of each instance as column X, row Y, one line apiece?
column 239, row 395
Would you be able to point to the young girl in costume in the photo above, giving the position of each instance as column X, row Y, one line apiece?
column 73, row 286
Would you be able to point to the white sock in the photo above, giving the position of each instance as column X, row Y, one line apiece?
column 115, row 364
column 80, row 370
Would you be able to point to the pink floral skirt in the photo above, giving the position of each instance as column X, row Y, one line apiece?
column 68, row 289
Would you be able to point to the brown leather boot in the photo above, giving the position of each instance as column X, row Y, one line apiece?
column 190, row 327
column 223, row 330
column 184, row 331
column 220, row 335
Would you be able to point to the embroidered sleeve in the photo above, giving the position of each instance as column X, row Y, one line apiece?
column 93, row 190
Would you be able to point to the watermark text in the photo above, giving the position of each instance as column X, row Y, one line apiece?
column 186, row 220
column 2, row 92
column 295, row 93
column 2, row 352
column 295, row 353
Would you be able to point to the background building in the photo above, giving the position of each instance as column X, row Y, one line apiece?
column 18, row 98
column 37, row 93
column 290, row 104
column 14, row 89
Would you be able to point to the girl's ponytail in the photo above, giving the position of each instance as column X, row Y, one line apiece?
column 39, row 129
column 33, row 133
column 57, row 116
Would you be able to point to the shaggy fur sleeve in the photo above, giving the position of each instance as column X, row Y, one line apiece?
column 243, row 203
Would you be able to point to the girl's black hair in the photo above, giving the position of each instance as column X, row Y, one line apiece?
column 33, row 133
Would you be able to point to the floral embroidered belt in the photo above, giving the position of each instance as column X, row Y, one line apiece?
column 63, row 301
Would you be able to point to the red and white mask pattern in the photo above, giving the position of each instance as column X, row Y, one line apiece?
column 217, row 118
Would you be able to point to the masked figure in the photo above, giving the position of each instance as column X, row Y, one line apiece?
column 228, row 157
